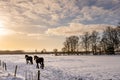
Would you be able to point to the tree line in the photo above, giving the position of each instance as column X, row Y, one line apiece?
column 106, row 42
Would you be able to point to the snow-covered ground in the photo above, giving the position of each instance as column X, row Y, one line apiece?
column 63, row 68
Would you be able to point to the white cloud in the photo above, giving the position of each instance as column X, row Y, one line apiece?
column 76, row 29
column 29, row 19
column 54, row 13
column 97, row 14
column 40, row 11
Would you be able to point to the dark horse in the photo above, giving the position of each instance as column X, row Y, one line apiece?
column 39, row 60
column 29, row 59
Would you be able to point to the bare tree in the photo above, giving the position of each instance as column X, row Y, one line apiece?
column 71, row 44
column 85, row 41
column 63, row 49
column 102, row 45
column 55, row 50
column 118, row 35
column 66, row 47
column 94, row 39
column 111, row 40
column 43, row 51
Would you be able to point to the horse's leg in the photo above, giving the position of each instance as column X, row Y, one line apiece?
column 37, row 66
column 31, row 61
column 42, row 65
column 26, row 61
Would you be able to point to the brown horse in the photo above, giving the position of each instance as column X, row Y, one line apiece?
column 39, row 60
column 29, row 59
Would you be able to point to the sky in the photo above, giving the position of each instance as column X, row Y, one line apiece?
column 44, row 24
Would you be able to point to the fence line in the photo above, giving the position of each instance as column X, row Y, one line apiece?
column 15, row 71
column 29, row 75
column 3, row 65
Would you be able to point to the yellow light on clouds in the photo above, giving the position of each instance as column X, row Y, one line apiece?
column 3, row 30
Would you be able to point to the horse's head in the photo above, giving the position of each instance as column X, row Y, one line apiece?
column 26, row 56
column 35, row 57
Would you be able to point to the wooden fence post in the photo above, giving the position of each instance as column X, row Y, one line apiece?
column 38, row 74
column 15, row 71
column 5, row 66
column 0, row 62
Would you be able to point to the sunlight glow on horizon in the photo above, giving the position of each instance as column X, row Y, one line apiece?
column 3, row 30
column 45, row 24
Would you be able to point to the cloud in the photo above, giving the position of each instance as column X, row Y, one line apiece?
column 97, row 15
column 27, row 29
column 30, row 20
column 56, row 11
column 25, row 15
column 76, row 29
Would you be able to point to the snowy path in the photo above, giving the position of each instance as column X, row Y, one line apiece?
column 68, row 67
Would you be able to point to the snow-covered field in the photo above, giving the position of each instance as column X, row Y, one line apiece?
column 64, row 68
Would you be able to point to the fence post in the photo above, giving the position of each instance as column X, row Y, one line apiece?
column 15, row 71
column 0, row 62
column 5, row 66
column 38, row 74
